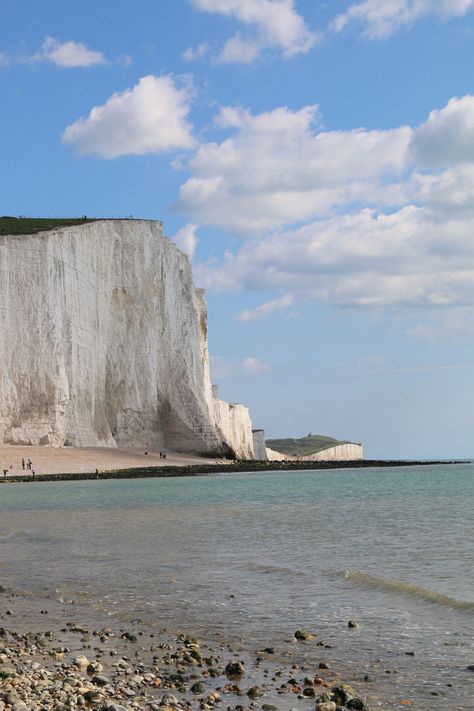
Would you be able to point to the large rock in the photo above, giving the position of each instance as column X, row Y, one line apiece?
column 104, row 342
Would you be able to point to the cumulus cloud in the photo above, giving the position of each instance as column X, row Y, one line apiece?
column 278, row 167
column 394, row 228
column 272, row 23
column 283, row 302
column 149, row 118
column 447, row 137
column 186, row 239
column 63, row 54
column 366, row 259
column 382, row 18
column 68, row 54
column 223, row 368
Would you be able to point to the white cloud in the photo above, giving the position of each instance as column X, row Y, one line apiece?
column 191, row 54
column 186, row 239
column 222, row 368
column 68, row 54
column 149, row 118
column 283, row 302
column 238, row 50
column 366, row 259
column 447, row 137
column 254, row 366
column 273, row 23
column 412, row 247
column 278, row 167
column 381, row 18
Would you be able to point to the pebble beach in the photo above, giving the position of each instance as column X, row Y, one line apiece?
column 50, row 660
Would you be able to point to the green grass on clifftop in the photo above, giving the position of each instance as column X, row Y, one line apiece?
column 30, row 225
column 303, row 446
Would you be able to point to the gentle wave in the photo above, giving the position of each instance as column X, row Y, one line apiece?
column 69, row 596
column 398, row 586
column 266, row 568
column 14, row 534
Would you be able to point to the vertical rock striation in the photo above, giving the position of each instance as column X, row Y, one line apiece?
column 104, row 342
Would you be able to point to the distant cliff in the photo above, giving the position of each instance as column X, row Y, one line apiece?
column 315, row 448
column 104, row 342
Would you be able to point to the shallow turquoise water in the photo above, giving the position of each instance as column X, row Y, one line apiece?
column 392, row 548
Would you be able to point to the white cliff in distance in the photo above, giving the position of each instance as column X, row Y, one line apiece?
column 103, row 342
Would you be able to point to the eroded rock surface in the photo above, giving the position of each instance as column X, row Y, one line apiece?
column 104, row 342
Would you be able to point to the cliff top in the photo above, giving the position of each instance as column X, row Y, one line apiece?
column 304, row 445
column 10, row 225
column 31, row 225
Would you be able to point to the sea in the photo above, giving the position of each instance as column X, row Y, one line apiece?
column 257, row 556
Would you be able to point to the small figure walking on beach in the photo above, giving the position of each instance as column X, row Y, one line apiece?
column 23, row 463
column 5, row 472
column 29, row 464
column 33, row 471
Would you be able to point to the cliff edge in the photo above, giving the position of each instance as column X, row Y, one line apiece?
column 104, row 343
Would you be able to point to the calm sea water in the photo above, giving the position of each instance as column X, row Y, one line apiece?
column 391, row 548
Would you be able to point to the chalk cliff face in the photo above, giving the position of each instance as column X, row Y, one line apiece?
column 340, row 453
column 104, row 342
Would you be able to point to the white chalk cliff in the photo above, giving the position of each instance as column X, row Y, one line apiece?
column 103, row 341
column 347, row 452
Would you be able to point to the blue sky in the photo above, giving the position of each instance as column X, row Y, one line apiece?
column 316, row 160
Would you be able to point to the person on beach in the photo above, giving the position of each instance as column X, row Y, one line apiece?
column 29, row 464
column 33, row 471
column 23, row 463
column 5, row 472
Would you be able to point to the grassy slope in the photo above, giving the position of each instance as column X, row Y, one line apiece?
column 30, row 225
column 303, row 446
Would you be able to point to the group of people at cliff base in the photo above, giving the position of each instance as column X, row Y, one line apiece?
column 162, row 455
column 26, row 465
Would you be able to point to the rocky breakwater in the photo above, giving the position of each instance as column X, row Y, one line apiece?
column 104, row 343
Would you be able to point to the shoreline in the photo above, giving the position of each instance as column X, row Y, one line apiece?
column 65, row 655
column 231, row 467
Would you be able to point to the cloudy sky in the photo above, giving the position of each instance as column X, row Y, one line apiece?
column 314, row 159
